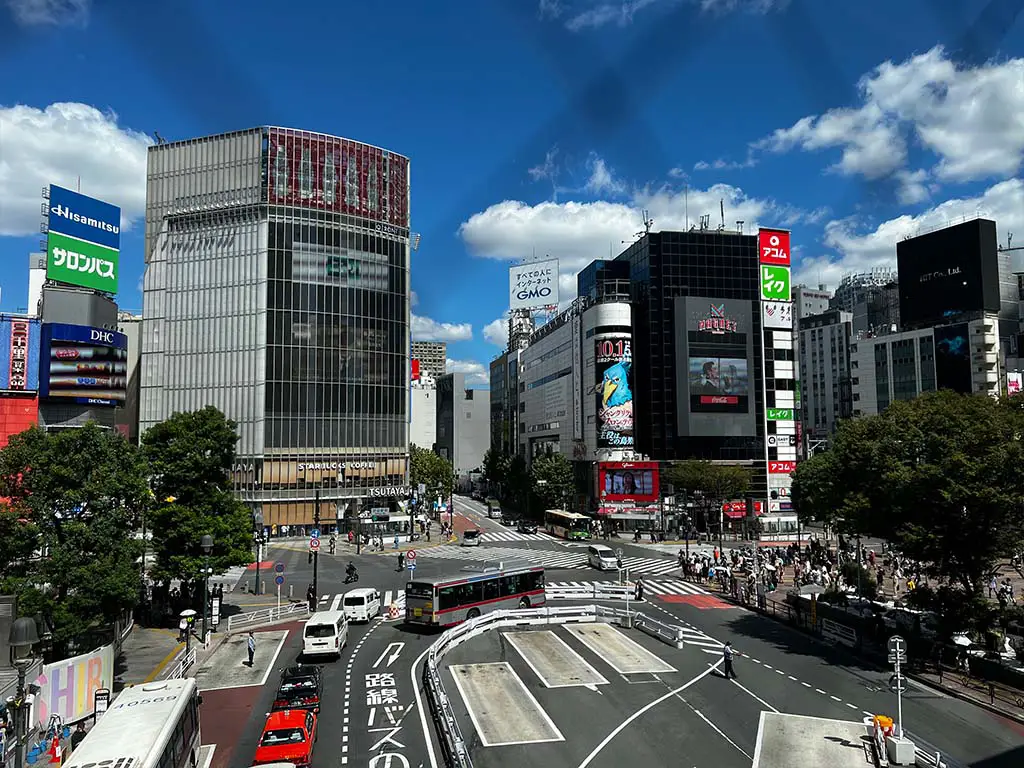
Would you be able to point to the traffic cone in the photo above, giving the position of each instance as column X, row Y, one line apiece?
column 55, row 751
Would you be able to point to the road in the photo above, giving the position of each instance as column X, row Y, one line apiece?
column 373, row 716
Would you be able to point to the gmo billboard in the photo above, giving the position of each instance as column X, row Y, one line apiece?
column 534, row 285
column 715, row 367
column 82, row 364
column 83, row 241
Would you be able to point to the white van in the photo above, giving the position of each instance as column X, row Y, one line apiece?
column 325, row 634
column 471, row 538
column 602, row 557
column 361, row 604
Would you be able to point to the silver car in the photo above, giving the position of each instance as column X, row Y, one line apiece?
column 471, row 538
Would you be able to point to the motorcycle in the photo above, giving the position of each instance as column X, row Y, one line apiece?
column 351, row 577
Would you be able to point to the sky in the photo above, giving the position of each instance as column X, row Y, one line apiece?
column 539, row 127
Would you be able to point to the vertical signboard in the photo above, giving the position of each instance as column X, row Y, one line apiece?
column 613, row 391
column 19, row 354
column 773, row 247
column 953, row 358
column 577, row 377
column 85, row 365
column 534, row 285
column 83, row 241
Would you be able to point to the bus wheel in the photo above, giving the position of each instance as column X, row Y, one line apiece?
column 474, row 613
column 524, row 602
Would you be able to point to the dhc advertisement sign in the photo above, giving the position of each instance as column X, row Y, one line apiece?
column 82, row 364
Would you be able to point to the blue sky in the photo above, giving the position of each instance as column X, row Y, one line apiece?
column 539, row 126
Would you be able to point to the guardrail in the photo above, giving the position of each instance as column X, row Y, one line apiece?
column 456, row 753
column 593, row 591
column 183, row 666
column 288, row 612
column 838, row 633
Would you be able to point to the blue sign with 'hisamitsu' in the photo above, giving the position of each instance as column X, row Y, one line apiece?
column 84, row 218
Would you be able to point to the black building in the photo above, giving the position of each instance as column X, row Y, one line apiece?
column 697, row 330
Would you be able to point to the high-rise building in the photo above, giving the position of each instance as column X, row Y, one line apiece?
column 463, row 425
column 277, row 290
column 504, row 402
column 810, row 301
column 126, row 419
column 826, row 395
column 433, row 357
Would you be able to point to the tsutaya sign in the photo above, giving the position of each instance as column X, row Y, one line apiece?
column 390, row 490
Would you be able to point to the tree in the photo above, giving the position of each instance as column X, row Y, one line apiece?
column 552, row 480
column 431, row 470
column 496, row 465
column 714, row 483
column 941, row 476
column 190, row 457
column 75, row 495
column 518, row 482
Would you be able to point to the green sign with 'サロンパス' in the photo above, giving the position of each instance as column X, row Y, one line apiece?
column 77, row 262
column 780, row 414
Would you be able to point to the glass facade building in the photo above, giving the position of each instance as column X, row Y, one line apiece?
column 277, row 290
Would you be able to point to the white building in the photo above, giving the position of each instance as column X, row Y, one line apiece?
column 423, row 412
column 825, row 371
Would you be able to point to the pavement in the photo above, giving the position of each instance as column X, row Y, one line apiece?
column 145, row 654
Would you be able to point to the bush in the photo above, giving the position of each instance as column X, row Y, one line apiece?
column 868, row 586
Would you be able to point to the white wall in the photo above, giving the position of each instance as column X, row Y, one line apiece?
column 423, row 418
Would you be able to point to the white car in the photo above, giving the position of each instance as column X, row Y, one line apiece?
column 471, row 538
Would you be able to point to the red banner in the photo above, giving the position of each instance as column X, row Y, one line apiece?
column 415, row 370
column 736, row 509
column 773, row 245
column 19, row 355
column 781, row 467
column 310, row 170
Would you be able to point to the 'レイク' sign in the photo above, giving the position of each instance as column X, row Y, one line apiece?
column 773, row 247
column 781, row 467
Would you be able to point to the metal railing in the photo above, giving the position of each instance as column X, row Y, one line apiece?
column 271, row 615
column 456, row 752
column 185, row 663
column 593, row 591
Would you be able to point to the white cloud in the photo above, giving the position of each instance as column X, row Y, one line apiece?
column 620, row 13
column 591, row 14
column 59, row 145
column 496, row 331
column 968, row 117
column 414, row 298
column 426, row 329
column 476, row 373
column 861, row 249
column 677, row 173
column 53, row 12
column 602, row 181
column 725, row 165
column 547, row 169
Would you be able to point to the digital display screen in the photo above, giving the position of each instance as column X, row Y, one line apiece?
column 625, row 481
column 719, row 385
column 82, row 364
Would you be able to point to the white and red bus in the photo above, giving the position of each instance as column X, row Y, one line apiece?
column 448, row 600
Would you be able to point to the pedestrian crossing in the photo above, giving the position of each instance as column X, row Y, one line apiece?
column 566, row 559
column 667, row 587
column 490, row 536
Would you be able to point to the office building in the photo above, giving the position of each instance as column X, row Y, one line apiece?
column 808, row 302
column 126, row 419
column 826, row 395
column 277, row 290
column 423, row 412
column 463, row 425
column 433, row 357
column 504, row 403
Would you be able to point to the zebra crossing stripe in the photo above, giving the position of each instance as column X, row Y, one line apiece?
column 550, row 559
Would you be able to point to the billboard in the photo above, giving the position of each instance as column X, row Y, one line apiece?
column 953, row 358
column 82, row 364
column 19, row 354
column 533, row 285
column 715, row 353
column 777, row 314
column 415, row 370
column 68, row 687
column 613, row 391
column 83, row 241
column 773, row 246
column 311, row 170
column 775, row 283
column 947, row 272
column 1014, row 383
column 628, row 481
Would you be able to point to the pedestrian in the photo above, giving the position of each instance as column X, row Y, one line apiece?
column 251, row 646
column 77, row 736
column 401, row 560
column 638, row 591
column 727, row 654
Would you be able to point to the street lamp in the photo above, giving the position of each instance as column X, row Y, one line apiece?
column 206, row 543
column 23, row 636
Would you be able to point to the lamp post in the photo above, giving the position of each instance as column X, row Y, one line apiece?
column 206, row 544
column 23, row 636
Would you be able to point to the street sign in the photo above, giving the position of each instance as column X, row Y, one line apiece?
column 422, row 488
column 411, row 566
column 315, row 533
column 279, row 568
column 314, row 545
column 279, row 580
column 897, row 650
column 410, row 555
column 898, row 684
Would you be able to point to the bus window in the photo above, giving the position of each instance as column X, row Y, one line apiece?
column 491, row 590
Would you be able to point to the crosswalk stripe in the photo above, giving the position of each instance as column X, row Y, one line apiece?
column 550, row 559
column 654, row 587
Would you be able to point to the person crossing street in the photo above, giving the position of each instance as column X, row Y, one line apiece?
column 727, row 654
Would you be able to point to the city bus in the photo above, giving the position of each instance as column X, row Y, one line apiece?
column 153, row 725
column 448, row 600
column 567, row 525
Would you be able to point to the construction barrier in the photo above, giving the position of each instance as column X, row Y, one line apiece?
column 393, row 611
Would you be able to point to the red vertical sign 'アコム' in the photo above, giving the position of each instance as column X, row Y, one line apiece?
column 773, row 246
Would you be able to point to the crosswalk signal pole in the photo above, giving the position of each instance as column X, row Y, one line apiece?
column 316, row 552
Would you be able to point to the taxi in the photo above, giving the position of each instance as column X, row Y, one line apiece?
column 288, row 737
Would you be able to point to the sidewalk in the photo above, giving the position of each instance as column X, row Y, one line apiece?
column 146, row 653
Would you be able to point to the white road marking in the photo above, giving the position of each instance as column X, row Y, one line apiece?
column 427, row 739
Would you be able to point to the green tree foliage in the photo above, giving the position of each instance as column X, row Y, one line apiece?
column 76, row 497
column 941, row 476
column 431, row 470
column 496, row 465
column 558, row 486
column 518, row 482
column 719, row 482
column 190, row 457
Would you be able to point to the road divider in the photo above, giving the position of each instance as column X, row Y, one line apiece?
column 593, row 591
column 267, row 616
column 453, row 745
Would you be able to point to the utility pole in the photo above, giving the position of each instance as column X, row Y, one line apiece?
column 316, row 552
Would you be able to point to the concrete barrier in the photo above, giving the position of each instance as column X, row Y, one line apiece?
column 838, row 633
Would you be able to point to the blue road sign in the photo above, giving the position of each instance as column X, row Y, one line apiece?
column 315, row 533
column 279, row 567
column 279, row 580
column 411, row 566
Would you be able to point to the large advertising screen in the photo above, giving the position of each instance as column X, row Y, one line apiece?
column 613, row 391
column 953, row 358
column 715, row 367
column 311, row 170
column 82, row 364
column 628, row 481
column 534, row 285
column 943, row 273
column 83, row 241
column 19, row 354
